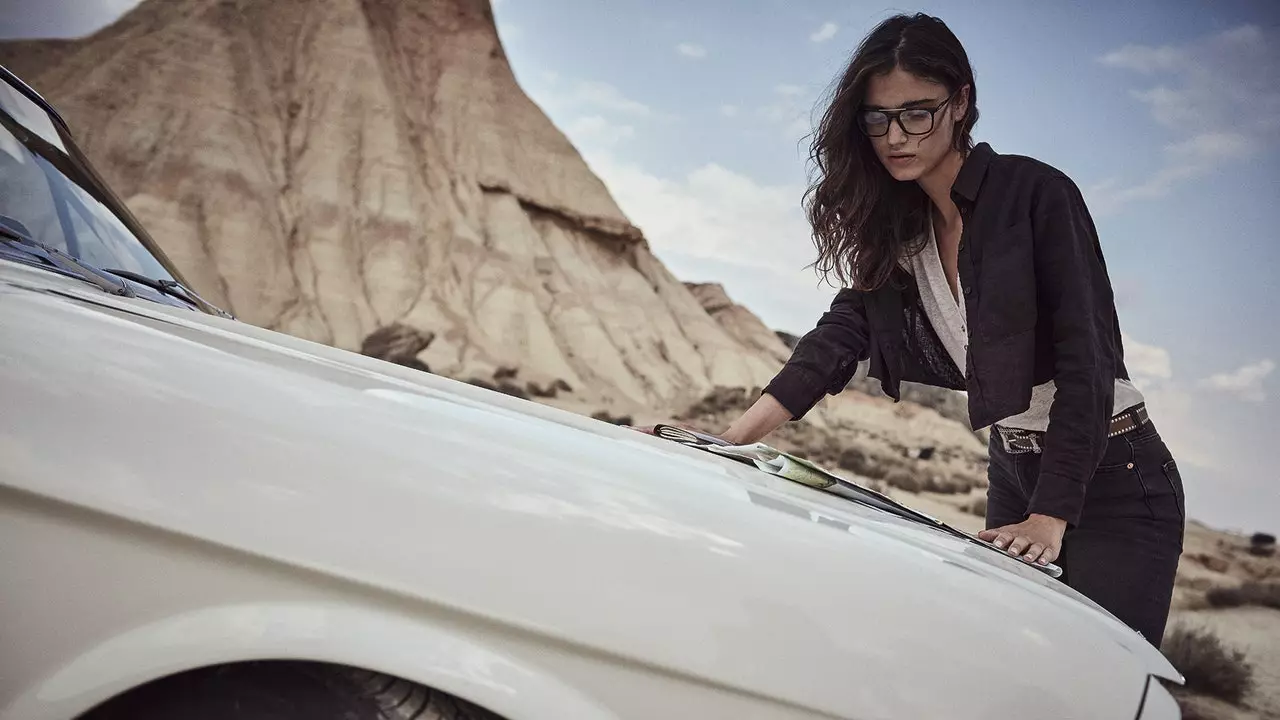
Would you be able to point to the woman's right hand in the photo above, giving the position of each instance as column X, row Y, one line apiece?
column 761, row 419
column 652, row 429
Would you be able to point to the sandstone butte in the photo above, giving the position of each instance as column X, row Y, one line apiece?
column 332, row 168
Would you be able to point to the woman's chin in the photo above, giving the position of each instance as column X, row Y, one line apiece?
column 904, row 174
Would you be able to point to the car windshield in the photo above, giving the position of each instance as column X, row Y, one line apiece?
column 48, row 193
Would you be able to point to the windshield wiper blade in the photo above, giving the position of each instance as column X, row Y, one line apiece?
column 172, row 288
column 63, row 262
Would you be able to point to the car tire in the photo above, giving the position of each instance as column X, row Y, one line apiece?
column 285, row 691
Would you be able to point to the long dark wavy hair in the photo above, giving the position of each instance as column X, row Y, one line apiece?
column 864, row 221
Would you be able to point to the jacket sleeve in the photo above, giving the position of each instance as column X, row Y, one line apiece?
column 1075, row 297
column 826, row 358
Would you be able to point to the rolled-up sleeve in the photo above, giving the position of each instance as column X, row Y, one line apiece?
column 1077, row 297
column 826, row 358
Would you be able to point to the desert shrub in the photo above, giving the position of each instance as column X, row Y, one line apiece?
column 856, row 461
column 1262, row 544
column 512, row 389
column 944, row 484
column 506, row 373
column 505, row 387
column 550, row 390
column 977, row 506
column 399, row 344
column 719, row 400
column 1209, row 666
column 1266, row 594
column 606, row 416
column 537, row 390
column 903, row 479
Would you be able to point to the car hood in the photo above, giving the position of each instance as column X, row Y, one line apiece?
column 577, row 530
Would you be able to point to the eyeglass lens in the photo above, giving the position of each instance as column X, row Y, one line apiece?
column 914, row 122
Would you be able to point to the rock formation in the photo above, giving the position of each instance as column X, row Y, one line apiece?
column 329, row 168
column 740, row 323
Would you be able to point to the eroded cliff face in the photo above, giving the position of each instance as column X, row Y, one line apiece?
column 328, row 168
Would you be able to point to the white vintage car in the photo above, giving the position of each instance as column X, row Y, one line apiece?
column 203, row 519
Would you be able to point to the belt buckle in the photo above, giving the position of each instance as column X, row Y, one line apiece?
column 1019, row 442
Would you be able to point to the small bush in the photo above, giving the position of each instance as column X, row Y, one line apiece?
column 606, row 416
column 977, row 506
column 1209, row 667
column 512, row 389
column 855, row 461
column 537, row 390
column 505, row 387
column 904, row 480
column 506, row 373
column 1266, row 594
column 1262, row 538
column 1262, row 550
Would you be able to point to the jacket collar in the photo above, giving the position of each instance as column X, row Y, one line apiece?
column 972, row 172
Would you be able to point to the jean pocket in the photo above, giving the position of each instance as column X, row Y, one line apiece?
column 1174, row 477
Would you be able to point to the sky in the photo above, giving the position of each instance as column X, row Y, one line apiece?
column 1167, row 115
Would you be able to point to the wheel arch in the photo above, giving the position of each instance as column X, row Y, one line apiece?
column 336, row 634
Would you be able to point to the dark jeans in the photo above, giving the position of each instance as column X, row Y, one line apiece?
column 1124, row 553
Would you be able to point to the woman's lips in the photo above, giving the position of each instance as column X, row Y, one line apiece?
column 901, row 159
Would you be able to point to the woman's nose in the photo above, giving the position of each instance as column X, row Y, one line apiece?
column 895, row 136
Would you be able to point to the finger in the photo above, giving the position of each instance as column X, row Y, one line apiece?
column 1019, row 543
column 1002, row 539
column 1033, row 553
column 988, row 535
column 1049, row 555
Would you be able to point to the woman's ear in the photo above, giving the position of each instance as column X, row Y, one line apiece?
column 960, row 106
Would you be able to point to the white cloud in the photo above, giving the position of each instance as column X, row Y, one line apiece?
column 596, row 131
column 824, row 33
column 509, row 31
column 729, row 110
column 607, row 97
column 789, row 110
column 1202, row 88
column 691, row 50
column 712, row 212
column 1146, row 363
column 567, row 96
column 1186, row 160
column 1143, row 59
column 1244, row 382
column 1173, row 405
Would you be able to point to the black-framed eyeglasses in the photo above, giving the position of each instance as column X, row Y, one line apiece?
column 913, row 121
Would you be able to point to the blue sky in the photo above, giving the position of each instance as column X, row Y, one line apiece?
column 1167, row 115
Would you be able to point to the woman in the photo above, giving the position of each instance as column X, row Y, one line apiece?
column 975, row 271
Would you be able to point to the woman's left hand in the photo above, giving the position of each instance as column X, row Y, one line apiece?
column 1037, row 539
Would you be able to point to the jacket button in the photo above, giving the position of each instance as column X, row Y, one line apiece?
column 968, row 290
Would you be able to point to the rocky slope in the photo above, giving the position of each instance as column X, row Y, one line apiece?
column 330, row 168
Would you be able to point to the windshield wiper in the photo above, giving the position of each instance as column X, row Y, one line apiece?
column 172, row 288
column 62, row 261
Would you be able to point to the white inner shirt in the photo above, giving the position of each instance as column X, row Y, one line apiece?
column 946, row 312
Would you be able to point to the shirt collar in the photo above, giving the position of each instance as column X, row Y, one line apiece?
column 972, row 172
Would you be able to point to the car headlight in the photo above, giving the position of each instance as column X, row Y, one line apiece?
column 1158, row 704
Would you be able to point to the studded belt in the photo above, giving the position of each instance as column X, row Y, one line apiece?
column 1017, row 441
